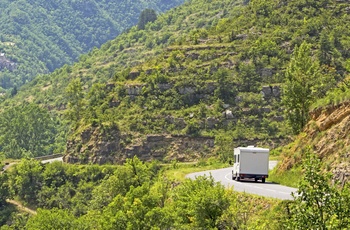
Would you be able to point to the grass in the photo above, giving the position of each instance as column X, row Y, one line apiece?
column 177, row 171
column 289, row 178
column 274, row 158
column 9, row 160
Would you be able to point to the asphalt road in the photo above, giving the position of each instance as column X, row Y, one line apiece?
column 52, row 160
column 43, row 161
column 7, row 166
column 267, row 189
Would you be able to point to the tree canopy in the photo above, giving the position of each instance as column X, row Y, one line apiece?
column 147, row 15
column 40, row 36
column 26, row 130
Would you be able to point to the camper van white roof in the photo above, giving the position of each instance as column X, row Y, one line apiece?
column 256, row 149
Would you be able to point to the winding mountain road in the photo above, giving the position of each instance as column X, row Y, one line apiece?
column 6, row 167
column 52, row 160
column 267, row 189
column 18, row 204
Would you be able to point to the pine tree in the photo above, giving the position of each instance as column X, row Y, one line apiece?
column 75, row 97
column 301, row 76
column 147, row 15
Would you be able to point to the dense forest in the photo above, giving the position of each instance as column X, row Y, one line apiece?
column 39, row 36
column 186, row 85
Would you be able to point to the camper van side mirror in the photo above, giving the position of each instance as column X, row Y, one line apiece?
column 230, row 162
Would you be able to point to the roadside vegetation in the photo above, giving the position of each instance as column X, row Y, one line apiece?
column 148, row 196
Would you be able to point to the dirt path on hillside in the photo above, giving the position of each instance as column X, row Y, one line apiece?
column 21, row 207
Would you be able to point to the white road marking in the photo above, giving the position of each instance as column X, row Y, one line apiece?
column 254, row 186
column 263, row 189
column 284, row 192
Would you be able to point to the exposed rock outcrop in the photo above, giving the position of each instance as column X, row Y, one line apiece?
column 6, row 63
column 108, row 146
column 328, row 134
column 271, row 91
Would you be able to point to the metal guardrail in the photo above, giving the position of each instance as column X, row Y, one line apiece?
column 41, row 158
column 47, row 157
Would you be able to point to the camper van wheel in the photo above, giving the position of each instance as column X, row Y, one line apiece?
column 256, row 179
column 238, row 178
column 263, row 180
column 233, row 177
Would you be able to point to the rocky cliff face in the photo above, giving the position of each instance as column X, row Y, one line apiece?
column 331, row 136
column 6, row 63
column 108, row 145
column 102, row 145
column 328, row 134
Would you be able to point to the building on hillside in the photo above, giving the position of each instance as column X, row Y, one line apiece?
column 2, row 57
column 5, row 63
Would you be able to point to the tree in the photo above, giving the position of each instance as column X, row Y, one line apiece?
column 26, row 130
column 55, row 219
column 75, row 96
column 14, row 91
column 118, row 183
column 325, row 53
column 25, row 180
column 198, row 204
column 147, row 15
column 303, row 83
column 318, row 204
column 249, row 80
column 4, row 189
column 225, row 90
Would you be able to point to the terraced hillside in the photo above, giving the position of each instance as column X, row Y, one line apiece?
column 206, row 70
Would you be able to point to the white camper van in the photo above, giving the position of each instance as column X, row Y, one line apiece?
column 250, row 162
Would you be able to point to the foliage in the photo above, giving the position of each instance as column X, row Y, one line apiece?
column 134, row 195
column 199, row 203
column 15, row 219
column 334, row 97
column 40, row 36
column 147, row 15
column 318, row 204
column 195, row 63
column 55, row 219
column 4, row 189
column 199, row 69
column 25, row 180
column 289, row 178
column 204, row 62
column 303, row 86
column 26, row 130
column 75, row 104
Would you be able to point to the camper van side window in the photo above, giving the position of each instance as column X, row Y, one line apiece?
column 237, row 158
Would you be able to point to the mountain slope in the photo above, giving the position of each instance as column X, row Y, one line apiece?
column 40, row 36
column 206, row 70
column 327, row 135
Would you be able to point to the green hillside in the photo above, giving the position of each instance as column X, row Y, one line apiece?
column 203, row 78
column 39, row 36
column 212, row 69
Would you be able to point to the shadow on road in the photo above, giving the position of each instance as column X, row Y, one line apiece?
column 255, row 182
